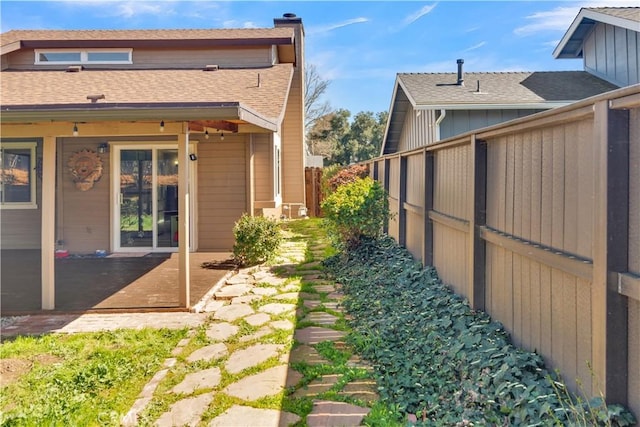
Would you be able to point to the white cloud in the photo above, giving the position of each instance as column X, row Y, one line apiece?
column 418, row 14
column 557, row 19
column 331, row 27
column 130, row 9
column 475, row 46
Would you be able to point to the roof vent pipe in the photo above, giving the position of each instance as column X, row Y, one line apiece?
column 460, row 75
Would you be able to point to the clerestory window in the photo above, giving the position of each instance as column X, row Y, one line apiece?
column 88, row 56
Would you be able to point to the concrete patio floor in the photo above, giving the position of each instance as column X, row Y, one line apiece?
column 114, row 283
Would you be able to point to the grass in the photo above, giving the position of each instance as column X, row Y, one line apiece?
column 81, row 379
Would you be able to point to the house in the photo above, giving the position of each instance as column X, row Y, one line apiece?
column 428, row 107
column 147, row 140
column 608, row 41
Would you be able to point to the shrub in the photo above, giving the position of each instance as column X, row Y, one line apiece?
column 356, row 210
column 257, row 239
column 346, row 176
column 327, row 174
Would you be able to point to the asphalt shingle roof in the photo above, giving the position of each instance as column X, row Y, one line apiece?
column 630, row 13
column 48, row 88
column 502, row 88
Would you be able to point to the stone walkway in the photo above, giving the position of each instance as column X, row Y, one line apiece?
column 264, row 346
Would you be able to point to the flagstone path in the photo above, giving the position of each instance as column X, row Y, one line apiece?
column 249, row 364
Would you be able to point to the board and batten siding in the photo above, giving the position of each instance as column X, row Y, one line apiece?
column 20, row 228
column 417, row 130
column 613, row 53
column 222, row 197
column 83, row 215
column 259, row 56
column 457, row 122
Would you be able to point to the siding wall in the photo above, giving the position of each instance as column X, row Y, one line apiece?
column 263, row 167
column 418, row 129
column 221, row 191
column 613, row 53
column 516, row 218
column 20, row 228
column 174, row 58
column 457, row 122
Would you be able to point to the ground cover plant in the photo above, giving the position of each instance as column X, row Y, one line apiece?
column 440, row 362
column 80, row 379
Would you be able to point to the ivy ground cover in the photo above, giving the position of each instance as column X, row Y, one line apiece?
column 437, row 362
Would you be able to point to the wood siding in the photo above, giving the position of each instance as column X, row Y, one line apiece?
column 84, row 215
column 613, row 53
column 263, row 165
column 457, row 122
column 418, row 129
column 222, row 197
column 516, row 218
column 20, row 228
column 261, row 56
column 293, row 143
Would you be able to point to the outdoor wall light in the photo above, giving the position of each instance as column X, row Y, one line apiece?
column 103, row 148
column 222, row 136
column 75, row 129
column 193, row 157
column 206, row 134
column 162, row 126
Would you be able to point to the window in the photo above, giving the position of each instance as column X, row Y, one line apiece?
column 93, row 56
column 17, row 176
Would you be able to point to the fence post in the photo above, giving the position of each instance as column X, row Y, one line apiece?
column 429, row 173
column 610, row 250
column 402, row 197
column 385, row 183
column 477, row 218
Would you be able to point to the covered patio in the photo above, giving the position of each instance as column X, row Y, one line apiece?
column 132, row 282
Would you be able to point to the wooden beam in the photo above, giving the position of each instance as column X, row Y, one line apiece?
column 183, row 219
column 48, row 217
column 201, row 125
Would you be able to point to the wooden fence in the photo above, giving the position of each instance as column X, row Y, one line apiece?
column 537, row 222
column 313, row 191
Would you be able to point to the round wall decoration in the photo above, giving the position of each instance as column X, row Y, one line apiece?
column 86, row 168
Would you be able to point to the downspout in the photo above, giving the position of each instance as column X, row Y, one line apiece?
column 443, row 114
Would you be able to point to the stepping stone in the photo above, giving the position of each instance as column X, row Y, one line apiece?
column 311, row 265
column 210, row 352
column 208, row 378
column 233, row 312
column 232, row 291
column 336, row 295
column 186, row 412
column 277, row 308
column 246, row 299
column 246, row 416
column 213, row 305
column 282, row 324
column 324, row 288
column 273, row 281
column 307, row 295
column 312, row 303
column 264, row 291
column 311, row 276
column 251, row 356
column 221, row 331
column 291, row 287
column 240, row 279
column 293, row 377
column 257, row 319
column 335, row 306
column 265, row 330
column 321, row 318
column 266, row 383
column 307, row 354
column 317, row 386
column 365, row 390
column 335, row 414
column 289, row 295
column 315, row 335
column 261, row 274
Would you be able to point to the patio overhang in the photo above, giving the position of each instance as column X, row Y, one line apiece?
column 197, row 113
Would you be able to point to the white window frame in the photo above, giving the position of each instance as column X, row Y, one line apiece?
column 84, row 56
column 31, row 204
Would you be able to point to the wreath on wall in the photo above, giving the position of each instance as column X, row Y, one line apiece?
column 86, row 168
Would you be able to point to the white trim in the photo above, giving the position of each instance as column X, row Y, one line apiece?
column 32, row 204
column 84, row 56
column 277, row 171
column 523, row 106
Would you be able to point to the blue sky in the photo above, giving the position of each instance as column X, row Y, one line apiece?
column 358, row 46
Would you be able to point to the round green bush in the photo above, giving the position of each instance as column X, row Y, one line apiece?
column 256, row 239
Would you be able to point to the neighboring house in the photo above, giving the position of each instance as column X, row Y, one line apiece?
column 96, row 126
column 608, row 40
column 428, row 107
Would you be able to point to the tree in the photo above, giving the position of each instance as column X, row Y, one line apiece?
column 314, row 108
